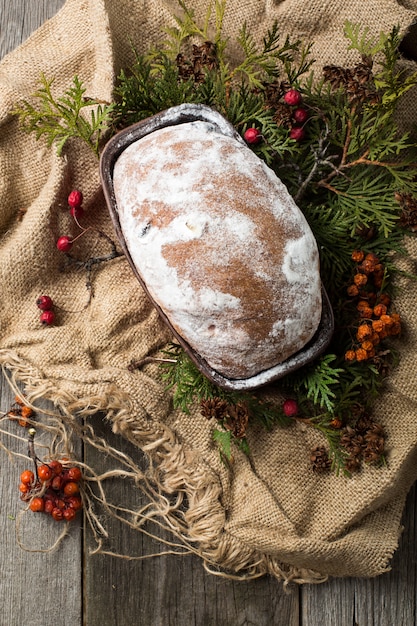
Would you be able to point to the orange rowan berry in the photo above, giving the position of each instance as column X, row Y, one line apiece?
column 18, row 400
column 352, row 291
column 372, row 257
column 367, row 345
column 358, row 256
column 350, row 355
column 386, row 320
column 362, row 304
column 379, row 310
column 360, row 280
column 26, row 411
column 367, row 267
column 377, row 326
column 395, row 318
column 364, row 331
column 366, row 313
column 361, row 354
column 37, row 504
column 336, row 423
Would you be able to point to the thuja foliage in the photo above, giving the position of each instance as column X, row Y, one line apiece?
column 349, row 168
column 62, row 118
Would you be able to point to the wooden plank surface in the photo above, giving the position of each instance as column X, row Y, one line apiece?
column 72, row 586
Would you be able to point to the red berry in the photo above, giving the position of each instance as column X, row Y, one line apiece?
column 47, row 318
column 56, row 467
column 300, row 115
column 37, row 504
column 57, row 514
column 24, row 488
column 69, row 514
column 75, row 198
column 77, row 212
column 292, row 97
column 44, row 473
column 71, row 488
column 252, row 136
column 290, row 407
column 74, row 473
column 27, row 477
column 49, row 506
column 297, row 133
column 44, row 303
column 64, row 243
column 74, row 502
column 57, row 482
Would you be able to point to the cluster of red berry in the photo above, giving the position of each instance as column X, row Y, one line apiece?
column 64, row 244
column 45, row 304
column 298, row 117
column 294, row 99
column 53, row 489
column 376, row 320
column 75, row 199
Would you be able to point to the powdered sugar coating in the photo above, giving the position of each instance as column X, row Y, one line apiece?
column 221, row 246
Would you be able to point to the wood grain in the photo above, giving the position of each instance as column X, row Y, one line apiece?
column 73, row 586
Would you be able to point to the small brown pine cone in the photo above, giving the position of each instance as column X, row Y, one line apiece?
column 337, row 76
column 282, row 115
column 214, row 408
column 352, row 464
column 319, row 459
column 371, row 456
column 363, row 73
column 237, row 419
column 352, row 442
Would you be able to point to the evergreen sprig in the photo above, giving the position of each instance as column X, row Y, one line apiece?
column 62, row 118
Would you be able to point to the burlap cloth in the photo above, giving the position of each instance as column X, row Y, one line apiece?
column 268, row 514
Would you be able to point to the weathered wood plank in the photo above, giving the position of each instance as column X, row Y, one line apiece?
column 169, row 590
column 387, row 600
column 33, row 584
column 36, row 589
column 19, row 18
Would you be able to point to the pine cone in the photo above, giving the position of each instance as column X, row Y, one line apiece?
column 352, row 441
column 352, row 464
column 374, row 443
column 336, row 75
column 363, row 72
column 237, row 419
column 216, row 408
column 319, row 459
column 282, row 115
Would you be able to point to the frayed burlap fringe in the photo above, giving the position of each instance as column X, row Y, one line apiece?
column 195, row 517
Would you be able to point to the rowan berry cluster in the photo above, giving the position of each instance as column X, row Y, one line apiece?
column 376, row 320
column 21, row 413
column 54, row 489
